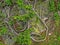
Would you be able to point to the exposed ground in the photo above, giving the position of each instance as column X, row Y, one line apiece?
column 30, row 22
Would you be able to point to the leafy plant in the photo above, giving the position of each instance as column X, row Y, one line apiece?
column 52, row 5
column 58, row 38
column 3, row 30
column 24, row 17
column 20, row 3
column 2, row 14
column 1, row 43
column 58, row 5
column 28, row 7
column 24, row 38
column 8, row 2
column 57, row 18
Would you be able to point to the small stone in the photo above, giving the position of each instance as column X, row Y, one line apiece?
column 49, row 33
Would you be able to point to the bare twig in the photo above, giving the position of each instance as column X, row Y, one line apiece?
column 12, row 30
column 43, row 23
